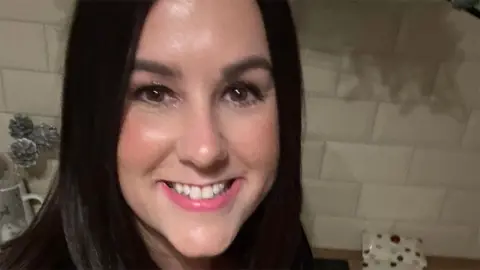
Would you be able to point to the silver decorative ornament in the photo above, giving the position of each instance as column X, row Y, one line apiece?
column 20, row 126
column 24, row 152
column 45, row 136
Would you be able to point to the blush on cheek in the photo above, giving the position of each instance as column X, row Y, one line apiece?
column 142, row 142
column 255, row 140
column 263, row 140
column 132, row 142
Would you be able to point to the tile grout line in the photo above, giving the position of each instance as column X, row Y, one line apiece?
column 407, row 180
column 30, row 114
column 4, row 90
column 47, row 48
column 26, row 21
column 25, row 69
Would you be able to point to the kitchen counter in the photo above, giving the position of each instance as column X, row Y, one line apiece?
column 434, row 263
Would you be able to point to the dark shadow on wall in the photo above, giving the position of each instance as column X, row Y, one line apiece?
column 418, row 68
column 417, row 73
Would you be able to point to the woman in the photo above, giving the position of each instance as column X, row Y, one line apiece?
column 180, row 144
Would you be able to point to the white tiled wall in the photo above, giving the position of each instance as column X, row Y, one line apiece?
column 32, row 42
column 393, row 112
column 393, row 122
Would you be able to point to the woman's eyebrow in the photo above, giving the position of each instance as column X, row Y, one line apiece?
column 230, row 72
column 155, row 68
column 236, row 69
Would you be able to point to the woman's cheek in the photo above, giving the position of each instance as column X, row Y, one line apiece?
column 142, row 141
column 255, row 139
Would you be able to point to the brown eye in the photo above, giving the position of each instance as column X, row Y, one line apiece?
column 238, row 94
column 154, row 93
column 243, row 94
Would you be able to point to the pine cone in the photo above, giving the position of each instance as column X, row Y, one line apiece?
column 20, row 126
column 45, row 136
column 24, row 152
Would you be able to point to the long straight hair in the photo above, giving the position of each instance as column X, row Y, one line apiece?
column 85, row 222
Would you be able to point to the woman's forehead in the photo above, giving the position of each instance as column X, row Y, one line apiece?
column 189, row 29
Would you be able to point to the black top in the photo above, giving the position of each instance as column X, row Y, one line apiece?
column 303, row 258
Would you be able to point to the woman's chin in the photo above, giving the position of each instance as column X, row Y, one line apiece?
column 202, row 246
column 203, row 251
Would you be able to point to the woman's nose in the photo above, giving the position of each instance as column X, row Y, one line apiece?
column 202, row 144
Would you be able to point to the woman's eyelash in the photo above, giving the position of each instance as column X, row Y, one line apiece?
column 243, row 94
column 238, row 94
column 153, row 93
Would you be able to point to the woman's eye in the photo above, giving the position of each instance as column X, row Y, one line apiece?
column 154, row 93
column 243, row 94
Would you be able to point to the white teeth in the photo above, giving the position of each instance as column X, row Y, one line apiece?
column 178, row 188
column 216, row 189
column 197, row 193
column 186, row 190
column 207, row 192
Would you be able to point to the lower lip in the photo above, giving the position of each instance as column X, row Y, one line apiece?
column 203, row 205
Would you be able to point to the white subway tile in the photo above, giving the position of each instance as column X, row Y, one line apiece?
column 2, row 94
column 320, row 72
column 445, row 168
column 440, row 240
column 462, row 207
column 56, row 43
column 471, row 138
column 333, row 199
column 47, row 11
column 327, row 60
column 344, row 233
column 420, row 126
column 5, row 138
column 307, row 222
column 339, row 119
column 477, row 245
column 23, row 89
column 400, row 202
column 312, row 154
column 361, row 86
column 319, row 80
column 475, row 251
column 366, row 163
column 22, row 45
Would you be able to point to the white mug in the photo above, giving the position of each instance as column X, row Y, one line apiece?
column 15, row 210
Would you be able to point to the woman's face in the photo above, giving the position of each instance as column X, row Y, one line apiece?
column 199, row 144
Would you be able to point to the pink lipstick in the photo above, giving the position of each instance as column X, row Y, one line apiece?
column 202, row 199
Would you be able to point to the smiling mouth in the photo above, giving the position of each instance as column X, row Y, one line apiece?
column 194, row 192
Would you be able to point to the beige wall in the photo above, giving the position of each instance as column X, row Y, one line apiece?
column 377, row 155
column 393, row 122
